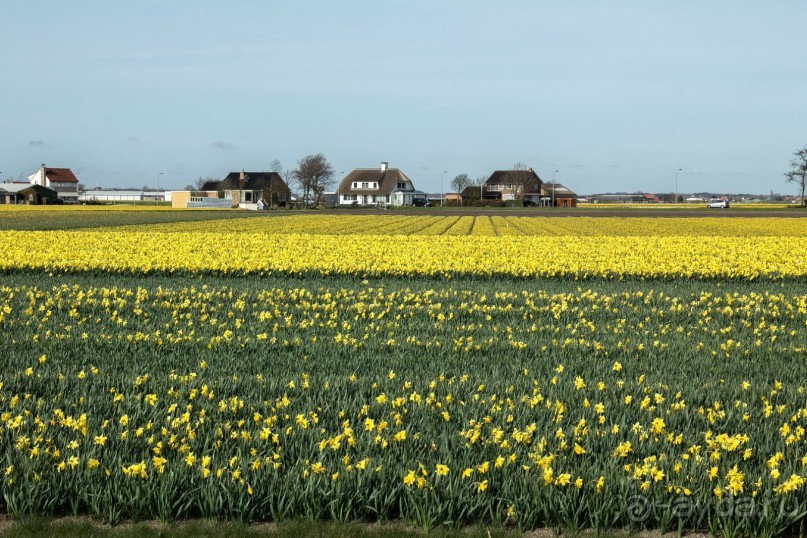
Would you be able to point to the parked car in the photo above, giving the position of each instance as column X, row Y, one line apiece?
column 718, row 204
column 421, row 202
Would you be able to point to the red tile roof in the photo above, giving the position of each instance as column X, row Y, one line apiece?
column 61, row 175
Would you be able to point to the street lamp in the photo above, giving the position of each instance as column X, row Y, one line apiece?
column 442, row 193
column 676, row 184
column 553, row 186
column 158, row 180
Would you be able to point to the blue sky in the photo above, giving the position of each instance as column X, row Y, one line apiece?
column 614, row 95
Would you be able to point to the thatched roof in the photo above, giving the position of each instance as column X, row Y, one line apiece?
column 387, row 180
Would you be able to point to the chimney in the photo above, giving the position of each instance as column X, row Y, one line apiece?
column 43, row 175
column 242, row 175
column 384, row 165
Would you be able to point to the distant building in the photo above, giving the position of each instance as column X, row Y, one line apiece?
column 254, row 187
column 123, row 195
column 507, row 185
column 62, row 180
column 250, row 190
column 558, row 195
column 199, row 199
column 25, row 193
column 624, row 198
column 376, row 186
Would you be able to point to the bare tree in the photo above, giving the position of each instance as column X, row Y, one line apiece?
column 199, row 183
column 521, row 176
column 313, row 175
column 798, row 171
column 275, row 166
column 459, row 182
column 473, row 190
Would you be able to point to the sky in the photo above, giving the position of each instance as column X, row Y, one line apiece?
column 602, row 96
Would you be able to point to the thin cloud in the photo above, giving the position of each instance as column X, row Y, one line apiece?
column 133, row 139
column 220, row 144
column 37, row 144
column 576, row 166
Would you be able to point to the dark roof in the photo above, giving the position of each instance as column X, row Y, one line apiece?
column 60, row 175
column 514, row 177
column 560, row 190
column 24, row 188
column 254, row 181
column 210, row 186
column 387, row 180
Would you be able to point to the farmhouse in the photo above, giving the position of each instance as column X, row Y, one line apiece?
column 376, row 186
column 249, row 190
column 62, row 180
column 507, row 185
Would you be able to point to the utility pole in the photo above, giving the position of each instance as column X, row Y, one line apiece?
column 553, row 187
column 442, row 193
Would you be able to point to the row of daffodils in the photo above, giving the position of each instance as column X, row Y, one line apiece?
column 373, row 255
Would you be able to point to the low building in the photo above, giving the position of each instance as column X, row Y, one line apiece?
column 376, row 186
column 62, row 180
column 25, row 193
column 123, row 195
column 621, row 198
column 199, row 200
column 329, row 198
column 557, row 195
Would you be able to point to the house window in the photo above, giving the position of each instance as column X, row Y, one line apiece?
column 281, row 197
column 349, row 197
column 365, row 185
column 401, row 185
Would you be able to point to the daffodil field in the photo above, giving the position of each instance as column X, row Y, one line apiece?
column 441, row 370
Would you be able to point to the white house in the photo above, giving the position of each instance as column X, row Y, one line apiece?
column 62, row 180
column 376, row 186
